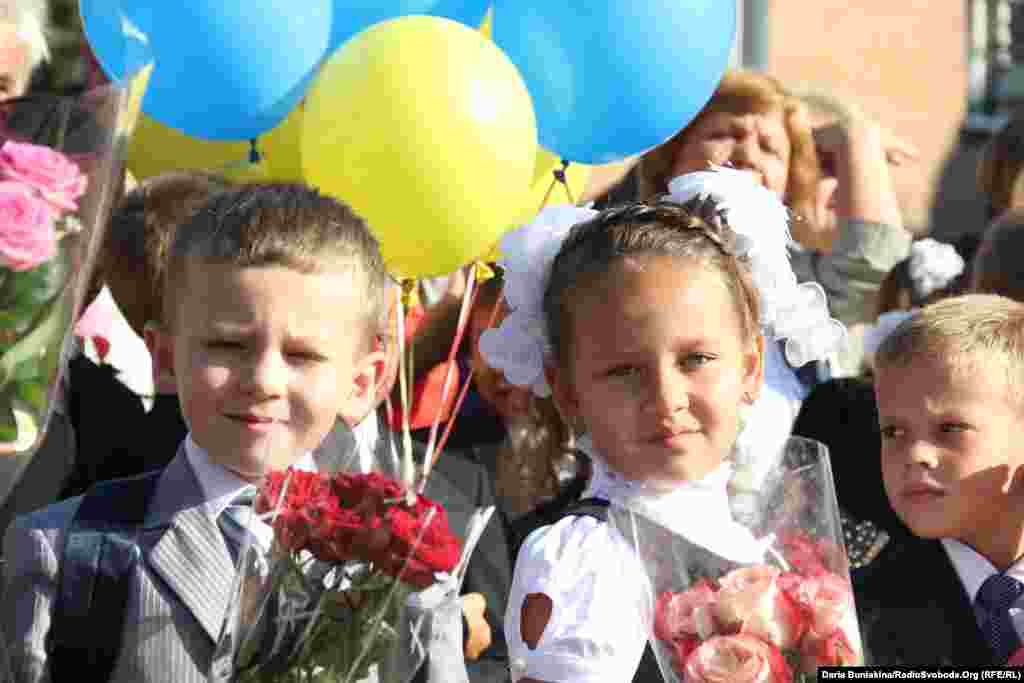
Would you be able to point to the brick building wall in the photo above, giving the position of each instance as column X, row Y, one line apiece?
column 905, row 61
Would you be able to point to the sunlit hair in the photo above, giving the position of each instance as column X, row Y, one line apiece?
column 742, row 91
column 998, row 267
column 30, row 19
column 528, row 467
column 964, row 333
column 288, row 225
column 999, row 169
column 659, row 228
column 134, row 253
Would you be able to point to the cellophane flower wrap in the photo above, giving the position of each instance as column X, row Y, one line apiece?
column 347, row 584
column 61, row 167
column 762, row 594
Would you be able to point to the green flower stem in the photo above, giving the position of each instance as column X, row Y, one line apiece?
column 50, row 328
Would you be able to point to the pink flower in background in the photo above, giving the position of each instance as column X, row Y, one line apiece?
column 737, row 659
column 57, row 179
column 27, row 234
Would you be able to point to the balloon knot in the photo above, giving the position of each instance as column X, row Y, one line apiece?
column 560, row 172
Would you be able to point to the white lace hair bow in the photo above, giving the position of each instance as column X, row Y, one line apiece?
column 520, row 345
column 795, row 312
column 933, row 265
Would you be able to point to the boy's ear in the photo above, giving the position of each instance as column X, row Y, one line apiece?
column 160, row 343
column 563, row 392
column 362, row 396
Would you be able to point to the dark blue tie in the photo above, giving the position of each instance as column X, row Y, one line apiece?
column 992, row 610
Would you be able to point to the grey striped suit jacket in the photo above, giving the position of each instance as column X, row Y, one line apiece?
column 178, row 594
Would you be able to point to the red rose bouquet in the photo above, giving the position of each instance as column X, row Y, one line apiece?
column 328, row 602
column 761, row 594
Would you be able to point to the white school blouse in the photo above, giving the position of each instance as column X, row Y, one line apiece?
column 602, row 600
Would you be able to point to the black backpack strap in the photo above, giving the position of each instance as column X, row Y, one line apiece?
column 100, row 550
column 587, row 507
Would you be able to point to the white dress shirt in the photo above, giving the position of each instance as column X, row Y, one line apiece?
column 221, row 486
column 973, row 570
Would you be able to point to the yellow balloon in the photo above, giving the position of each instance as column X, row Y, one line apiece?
column 281, row 148
column 546, row 190
column 436, row 151
column 247, row 172
column 156, row 148
column 487, row 28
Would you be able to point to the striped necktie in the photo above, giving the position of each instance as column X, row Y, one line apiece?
column 992, row 610
column 239, row 524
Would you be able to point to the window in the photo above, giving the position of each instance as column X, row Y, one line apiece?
column 995, row 61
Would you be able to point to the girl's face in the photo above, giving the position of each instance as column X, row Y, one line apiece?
column 658, row 368
column 755, row 142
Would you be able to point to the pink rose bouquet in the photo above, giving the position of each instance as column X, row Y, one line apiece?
column 755, row 592
column 60, row 158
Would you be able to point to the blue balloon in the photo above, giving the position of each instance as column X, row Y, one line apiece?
column 222, row 70
column 611, row 79
column 353, row 16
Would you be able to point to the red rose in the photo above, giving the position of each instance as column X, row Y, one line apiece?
column 737, row 659
column 1017, row 658
column 421, row 537
column 360, row 517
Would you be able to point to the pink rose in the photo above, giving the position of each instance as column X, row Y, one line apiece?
column 827, row 602
column 1017, row 658
column 751, row 601
column 835, row 650
column 53, row 175
column 685, row 614
column 27, row 235
column 737, row 659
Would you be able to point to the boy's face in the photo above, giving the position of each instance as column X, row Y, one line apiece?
column 266, row 358
column 950, row 449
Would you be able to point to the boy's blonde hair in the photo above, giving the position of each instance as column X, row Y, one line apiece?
column 291, row 225
column 965, row 333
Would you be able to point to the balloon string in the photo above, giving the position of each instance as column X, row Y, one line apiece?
column 560, row 176
column 405, row 361
column 547, row 195
column 469, row 378
column 468, row 301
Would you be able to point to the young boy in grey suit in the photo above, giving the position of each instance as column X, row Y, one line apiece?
column 274, row 297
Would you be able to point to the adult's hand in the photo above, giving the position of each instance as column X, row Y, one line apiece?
column 859, row 153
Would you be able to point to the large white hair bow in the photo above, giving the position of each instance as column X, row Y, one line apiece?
column 521, row 345
column 797, row 313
